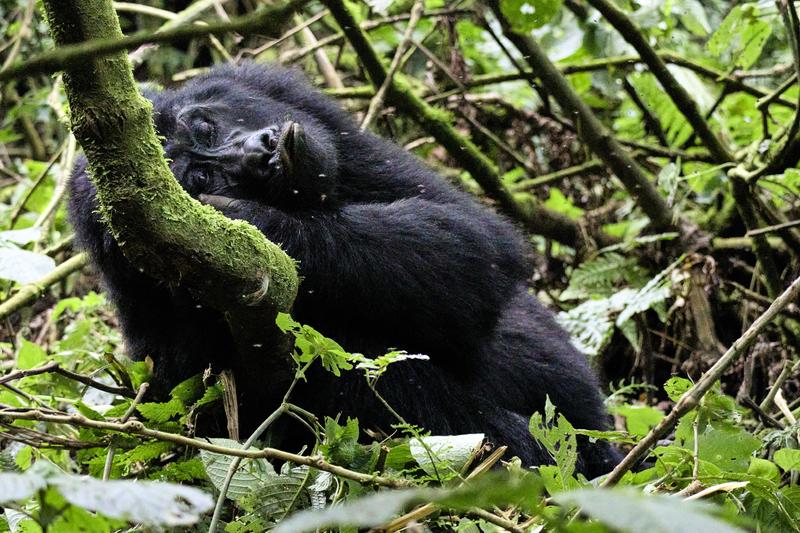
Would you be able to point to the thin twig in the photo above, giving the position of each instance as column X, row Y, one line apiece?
column 234, row 466
column 592, row 131
column 36, row 182
column 131, row 409
column 54, row 368
column 532, row 214
column 377, row 101
column 295, row 55
column 134, row 427
column 428, row 508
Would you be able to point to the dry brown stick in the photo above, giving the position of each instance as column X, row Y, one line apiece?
column 293, row 56
column 497, row 520
column 324, row 64
column 134, row 427
column 692, row 397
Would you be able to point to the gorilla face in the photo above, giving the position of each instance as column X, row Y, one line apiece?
column 223, row 140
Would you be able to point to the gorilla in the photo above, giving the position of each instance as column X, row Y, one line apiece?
column 391, row 257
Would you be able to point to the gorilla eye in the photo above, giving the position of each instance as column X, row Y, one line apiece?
column 204, row 132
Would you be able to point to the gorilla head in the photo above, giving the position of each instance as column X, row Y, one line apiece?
column 224, row 139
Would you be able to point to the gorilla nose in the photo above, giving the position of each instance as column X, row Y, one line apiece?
column 259, row 147
column 280, row 146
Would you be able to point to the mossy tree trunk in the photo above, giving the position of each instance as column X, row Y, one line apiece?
column 228, row 264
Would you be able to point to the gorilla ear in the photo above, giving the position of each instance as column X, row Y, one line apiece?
column 161, row 100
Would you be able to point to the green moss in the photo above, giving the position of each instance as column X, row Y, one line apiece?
column 159, row 228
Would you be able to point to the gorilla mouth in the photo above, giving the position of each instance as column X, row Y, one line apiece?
column 291, row 146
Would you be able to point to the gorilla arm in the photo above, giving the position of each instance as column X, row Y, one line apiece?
column 428, row 276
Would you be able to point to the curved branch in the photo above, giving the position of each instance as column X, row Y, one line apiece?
column 160, row 229
column 134, row 427
column 265, row 19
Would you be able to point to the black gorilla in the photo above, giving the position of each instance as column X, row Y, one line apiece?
column 391, row 256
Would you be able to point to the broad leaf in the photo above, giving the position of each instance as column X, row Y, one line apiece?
column 23, row 266
column 441, row 456
column 249, row 474
column 633, row 511
column 143, row 502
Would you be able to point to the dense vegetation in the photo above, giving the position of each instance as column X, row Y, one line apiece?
column 649, row 149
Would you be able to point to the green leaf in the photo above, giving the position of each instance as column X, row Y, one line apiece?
column 30, row 355
column 639, row 419
column 76, row 519
column 161, row 412
column 19, row 487
column 560, row 203
column 521, row 489
column 693, row 16
column 630, row 510
column 248, row 475
column 742, row 35
column 560, row 441
column 676, row 387
column 278, row 495
column 286, row 324
column 668, row 180
column 23, row 266
column 788, row 459
column 600, row 276
column 440, row 456
column 728, row 447
column 21, row 237
column 182, row 471
column 341, row 446
column 526, row 15
column 188, row 390
column 145, row 502
column 763, row 469
column 366, row 512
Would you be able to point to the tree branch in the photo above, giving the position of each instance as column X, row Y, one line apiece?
column 687, row 106
column 266, row 19
column 228, row 264
column 31, row 291
column 134, row 427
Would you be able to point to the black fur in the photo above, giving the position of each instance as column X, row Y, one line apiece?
column 391, row 257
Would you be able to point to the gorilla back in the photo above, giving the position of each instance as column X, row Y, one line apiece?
column 391, row 256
